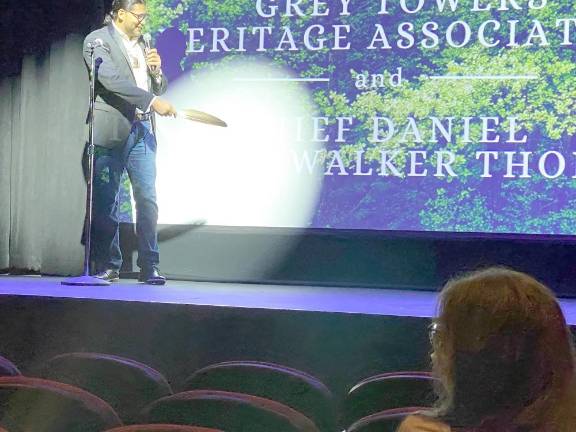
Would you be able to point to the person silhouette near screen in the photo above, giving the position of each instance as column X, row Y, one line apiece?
column 129, row 78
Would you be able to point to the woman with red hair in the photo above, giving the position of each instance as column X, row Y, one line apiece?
column 504, row 357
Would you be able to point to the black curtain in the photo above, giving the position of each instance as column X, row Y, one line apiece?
column 43, row 104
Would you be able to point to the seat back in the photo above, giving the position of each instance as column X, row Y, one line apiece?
column 37, row 405
column 387, row 391
column 231, row 412
column 161, row 428
column 7, row 368
column 127, row 385
column 384, row 421
column 296, row 389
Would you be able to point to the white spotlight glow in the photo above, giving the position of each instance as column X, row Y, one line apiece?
column 245, row 174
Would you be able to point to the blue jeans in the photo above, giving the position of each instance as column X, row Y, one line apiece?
column 138, row 157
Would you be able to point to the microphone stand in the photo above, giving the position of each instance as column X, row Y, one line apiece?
column 85, row 279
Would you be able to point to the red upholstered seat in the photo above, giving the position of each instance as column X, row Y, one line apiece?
column 127, row 385
column 228, row 411
column 38, row 405
column 161, row 428
column 384, row 421
column 291, row 387
column 387, row 391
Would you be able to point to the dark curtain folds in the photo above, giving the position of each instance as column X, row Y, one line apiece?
column 6, row 105
column 43, row 104
column 43, row 113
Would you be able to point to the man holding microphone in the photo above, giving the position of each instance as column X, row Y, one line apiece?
column 129, row 78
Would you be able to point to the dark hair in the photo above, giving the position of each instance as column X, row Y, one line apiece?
column 504, row 355
column 120, row 4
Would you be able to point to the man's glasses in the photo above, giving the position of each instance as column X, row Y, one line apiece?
column 139, row 17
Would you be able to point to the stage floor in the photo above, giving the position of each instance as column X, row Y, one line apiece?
column 388, row 302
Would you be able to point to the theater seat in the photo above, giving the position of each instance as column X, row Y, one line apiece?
column 127, row 385
column 38, row 405
column 7, row 368
column 387, row 391
column 384, row 421
column 291, row 387
column 228, row 411
column 161, row 428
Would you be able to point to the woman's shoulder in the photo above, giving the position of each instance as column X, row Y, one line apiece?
column 421, row 423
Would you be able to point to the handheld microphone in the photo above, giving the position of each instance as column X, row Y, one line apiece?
column 147, row 47
column 147, row 39
column 99, row 43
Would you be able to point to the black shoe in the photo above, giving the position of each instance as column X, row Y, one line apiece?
column 109, row 275
column 151, row 276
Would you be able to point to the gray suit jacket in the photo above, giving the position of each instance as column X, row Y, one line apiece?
column 117, row 95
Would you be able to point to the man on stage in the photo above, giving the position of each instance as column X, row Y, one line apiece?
column 129, row 76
